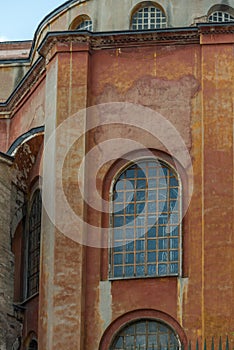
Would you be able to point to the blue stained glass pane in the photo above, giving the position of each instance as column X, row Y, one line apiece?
column 141, row 341
column 152, row 341
column 140, row 221
column 162, row 231
column 140, row 196
column 174, row 218
column 152, row 183
column 118, row 221
column 155, row 163
column 118, row 271
column 140, row 270
column 129, row 219
column 118, row 259
column 152, row 172
column 162, row 182
column 162, row 256
column 130, row 173
column 129, row 271
column 130, row 209
column 162, row 269
column 151, row 257
column 174, row 243
column 152, row 232
column 173, row 193
column 130, row 247
column 129, row 330
column 118, row 209
column 129, row 184
column 174, row 255
column 173, row 205
column 151, row 207
column 118, row 234
column 162, row 243
column 119, row 343
column 129, row 196
column 152, row 219
column 151, row 243
column 118, row 248
column 163, row 206
column 129, row 340
column 140, row 258
column 119, row 185
column 140, row 244
column 129, row 258
column 141, row 173
column 174, row 268
column 162, row 220
column 152, row 195
column 162, row 194
column 152, row 327
column 173, row 182
column 140, row 207
column 141, row 184
column 141, row 327
column 151, row 269
column 130, row 233
column 140, row 232
column 119, row 197
column 174, row 230
column 163, row 171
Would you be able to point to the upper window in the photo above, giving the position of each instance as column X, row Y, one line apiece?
column 220, row 16
column 145, row 239
column 82, row 22
column 148, row 17
column 146, row 334
column 34, row 235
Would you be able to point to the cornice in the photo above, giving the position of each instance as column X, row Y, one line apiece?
column 215, row 28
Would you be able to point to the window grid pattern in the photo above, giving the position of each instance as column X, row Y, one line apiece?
column 146, row 334
column 145, row 222
column 220, row 16
column 85, row 25
column 148, row 18
column 34, row 244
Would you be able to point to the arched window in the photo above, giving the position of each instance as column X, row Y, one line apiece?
column 146, row 334
column 148, row 17
column 145, row 238
column 34, row 234
column 33, row 345
column 220, row 16
column 82, row 22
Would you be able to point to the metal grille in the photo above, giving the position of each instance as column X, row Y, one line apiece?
column 146, row 335
column 220, row 16
column 34, row 244
column 145, row 222
column 33, row 345
column 85, row 25
column 148, row 18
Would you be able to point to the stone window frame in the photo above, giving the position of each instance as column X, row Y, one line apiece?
column 143, row 16
column 112, row 275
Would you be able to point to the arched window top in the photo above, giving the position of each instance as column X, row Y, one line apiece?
column 148, row 16
column 146, row 334
column 145, row 240
column 82, row 22
column 34, row 234
column 221, row 13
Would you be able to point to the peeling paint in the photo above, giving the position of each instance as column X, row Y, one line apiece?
column 105, row 303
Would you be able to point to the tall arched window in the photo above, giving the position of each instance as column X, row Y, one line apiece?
column 148, row 17
column 145, row 238
column 146, row 334
column 34, row 234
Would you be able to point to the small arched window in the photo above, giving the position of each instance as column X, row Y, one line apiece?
column 145, row 239
column 146, row 334
column 148, row 17
column 33, row 345
column 220, row 16
column 34, row 235
column 82, row 22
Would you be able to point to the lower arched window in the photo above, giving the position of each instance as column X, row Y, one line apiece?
column 220, row 16
column 146, row 334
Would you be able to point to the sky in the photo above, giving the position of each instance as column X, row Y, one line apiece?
column 19, row 18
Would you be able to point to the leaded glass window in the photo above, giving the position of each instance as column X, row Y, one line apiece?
column 146, row 335
column 148, row 18
column 34, row 244
column 220, row 16
column 145, row 239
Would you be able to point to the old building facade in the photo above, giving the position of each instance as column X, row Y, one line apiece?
column 116, row 168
